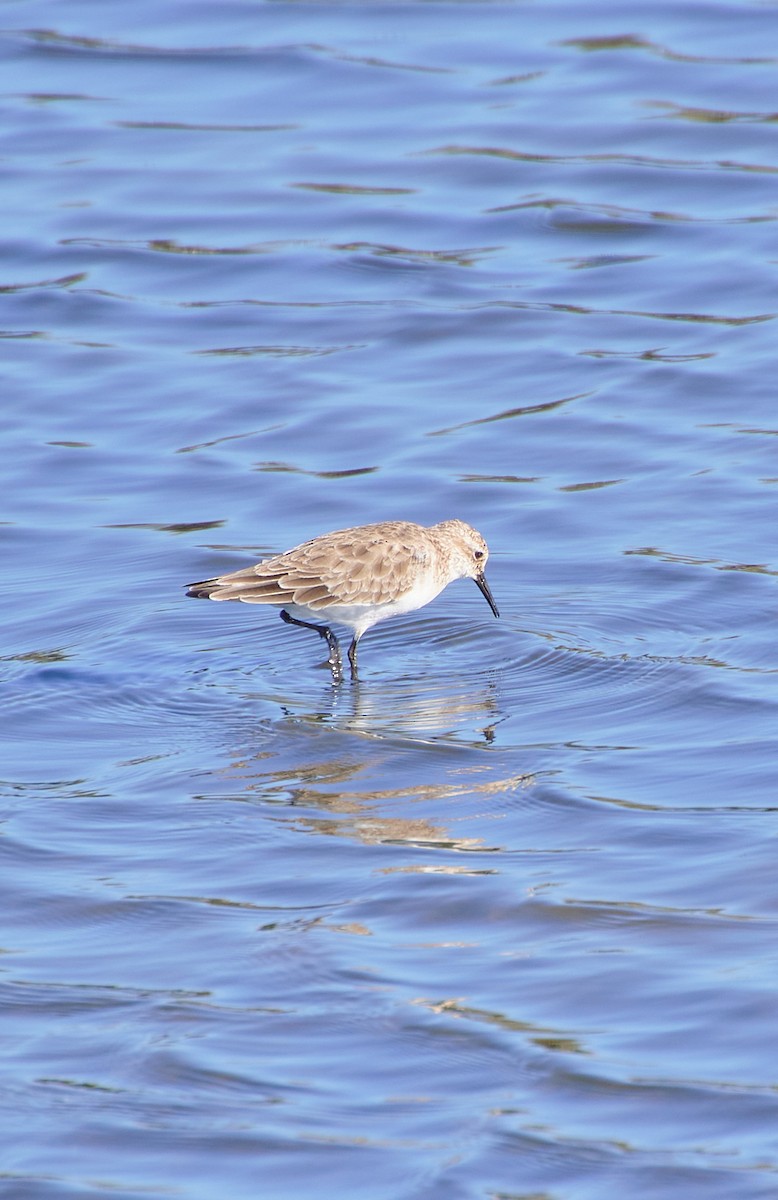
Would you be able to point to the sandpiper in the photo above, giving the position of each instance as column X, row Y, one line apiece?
column 358, row 577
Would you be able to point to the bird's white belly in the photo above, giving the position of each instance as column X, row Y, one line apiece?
column 361, row 617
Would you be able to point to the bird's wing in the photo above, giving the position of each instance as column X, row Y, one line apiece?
column 346, row 567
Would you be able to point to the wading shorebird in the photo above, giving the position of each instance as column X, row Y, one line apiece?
column 358, row 577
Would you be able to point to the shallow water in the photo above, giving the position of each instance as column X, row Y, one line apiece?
column 500, row 920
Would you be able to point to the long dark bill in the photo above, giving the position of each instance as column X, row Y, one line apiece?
column 484, row 589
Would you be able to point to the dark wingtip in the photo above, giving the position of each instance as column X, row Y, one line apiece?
column 201, row 590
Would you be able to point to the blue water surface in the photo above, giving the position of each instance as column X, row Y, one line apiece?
column 498, row 922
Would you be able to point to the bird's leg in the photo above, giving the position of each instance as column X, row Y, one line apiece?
column 352, row 657
column 335, row 664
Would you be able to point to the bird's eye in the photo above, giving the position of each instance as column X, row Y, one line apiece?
column 478, row 554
